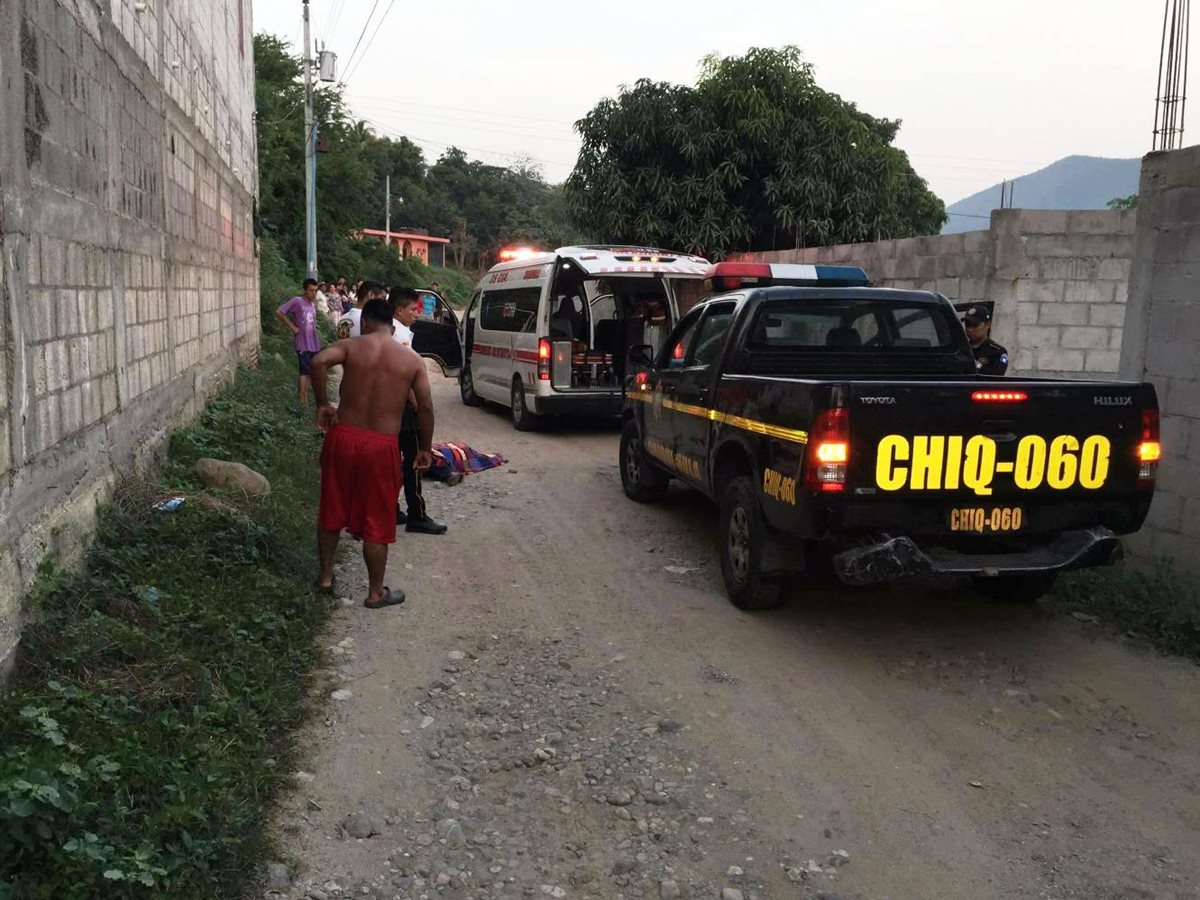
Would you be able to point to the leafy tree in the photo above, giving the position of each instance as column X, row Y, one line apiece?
column 481, row 207
column 755, row 156
column 1129, row 202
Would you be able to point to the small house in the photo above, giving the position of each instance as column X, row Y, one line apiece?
column 413, row 242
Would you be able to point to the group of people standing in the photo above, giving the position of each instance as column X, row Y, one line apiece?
column 379, row 438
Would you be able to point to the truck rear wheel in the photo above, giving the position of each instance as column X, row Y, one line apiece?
column 1016, row 589
column 743, row 537
column 640, row 480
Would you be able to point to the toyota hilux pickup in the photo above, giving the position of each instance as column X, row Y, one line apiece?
column 844, row 424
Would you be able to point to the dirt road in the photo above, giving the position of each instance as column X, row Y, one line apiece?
column 568, row 706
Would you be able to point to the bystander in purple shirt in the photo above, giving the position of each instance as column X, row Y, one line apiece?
column 304, row 316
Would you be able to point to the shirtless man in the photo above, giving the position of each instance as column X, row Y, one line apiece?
column 360, row 461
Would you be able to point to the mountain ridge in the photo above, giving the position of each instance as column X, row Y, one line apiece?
column 1073, row 182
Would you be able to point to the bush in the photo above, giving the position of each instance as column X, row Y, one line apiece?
column 1162, row 605
column 149, row 720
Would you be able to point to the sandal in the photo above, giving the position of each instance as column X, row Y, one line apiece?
column 389, row 598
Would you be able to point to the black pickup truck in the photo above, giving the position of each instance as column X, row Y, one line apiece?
column 847, row 425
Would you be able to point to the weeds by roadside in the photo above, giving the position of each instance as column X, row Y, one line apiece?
column 149, row 721
column 1161, row 605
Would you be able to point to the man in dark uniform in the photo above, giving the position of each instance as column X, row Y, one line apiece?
column 990, row 357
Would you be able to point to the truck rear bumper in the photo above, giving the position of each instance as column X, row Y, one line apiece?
column 900, row 557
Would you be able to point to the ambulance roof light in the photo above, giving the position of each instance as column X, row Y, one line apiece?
column 508, row 254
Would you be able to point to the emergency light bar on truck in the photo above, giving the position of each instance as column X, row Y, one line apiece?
column 729, row 276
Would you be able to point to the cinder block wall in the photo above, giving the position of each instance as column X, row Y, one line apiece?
column 958, row 265
column 1162, row 346
column 128, row 277
column 1059, row 281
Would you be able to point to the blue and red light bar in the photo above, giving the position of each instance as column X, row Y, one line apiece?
column 729, row 276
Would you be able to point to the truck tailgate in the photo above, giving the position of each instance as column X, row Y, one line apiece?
column 997, row 457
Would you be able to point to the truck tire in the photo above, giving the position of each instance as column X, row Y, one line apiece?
column 1016, row 589
column 522, row 418
column 466, row 387
column 743, row 535
column 641, row 481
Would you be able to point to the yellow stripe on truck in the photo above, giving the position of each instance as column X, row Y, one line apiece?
column 714, row 415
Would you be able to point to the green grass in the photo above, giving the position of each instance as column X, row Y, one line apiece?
column 1161, row 605
column 149, row 722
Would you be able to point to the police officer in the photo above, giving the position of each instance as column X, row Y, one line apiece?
column 990, row 357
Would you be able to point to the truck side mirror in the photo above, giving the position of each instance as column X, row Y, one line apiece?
column 641, row 355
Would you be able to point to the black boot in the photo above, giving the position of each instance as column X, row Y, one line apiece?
column 425, row 525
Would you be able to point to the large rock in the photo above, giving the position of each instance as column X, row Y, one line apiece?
column 225, row 474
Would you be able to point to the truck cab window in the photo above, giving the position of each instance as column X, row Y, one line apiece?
column 710, row 340
column 674, row 353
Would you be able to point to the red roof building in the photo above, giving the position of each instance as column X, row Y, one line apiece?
column 427, row 248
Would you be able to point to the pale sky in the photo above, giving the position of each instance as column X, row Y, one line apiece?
column 985, row 90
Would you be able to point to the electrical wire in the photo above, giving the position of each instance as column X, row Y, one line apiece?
column 335, row 14
column 388, row 132
column 374, row 34
column 358, row 43
column 467, row 124
column 477, row 112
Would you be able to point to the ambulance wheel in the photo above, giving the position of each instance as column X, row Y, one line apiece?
column 641, row 481
column 522, row 418
column 743, row 537
column 1016, row 589
column 466, row 387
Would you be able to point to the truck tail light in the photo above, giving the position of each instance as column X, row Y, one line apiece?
column 543, row 365
column 828, row 452
column 1149, row 450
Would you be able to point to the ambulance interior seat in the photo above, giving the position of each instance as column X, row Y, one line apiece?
column 843, row 337
column 562, row 328
column 608, row 336
column 567, row 322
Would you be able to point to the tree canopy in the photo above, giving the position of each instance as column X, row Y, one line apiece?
column 755, row 156
column 479, row 206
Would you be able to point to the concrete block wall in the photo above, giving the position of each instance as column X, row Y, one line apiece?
column 128, row 276
column 958, row 265
column 1162, row 346
column 1058, row 279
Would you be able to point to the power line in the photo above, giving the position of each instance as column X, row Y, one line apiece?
column 416, row 139
column 477, row 112
column 374, row 34
column 334, row 18
column 358, row 43
column 466, row 124
column 470, row 117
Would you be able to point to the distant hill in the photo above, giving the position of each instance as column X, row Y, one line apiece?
column 1076, row 182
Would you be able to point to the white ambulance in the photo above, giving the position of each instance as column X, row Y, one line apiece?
column 547, row 333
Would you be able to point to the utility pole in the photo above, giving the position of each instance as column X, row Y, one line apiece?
column 387, row 210
column 310, row 155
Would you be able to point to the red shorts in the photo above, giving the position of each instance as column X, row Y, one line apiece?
column 360, row 481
